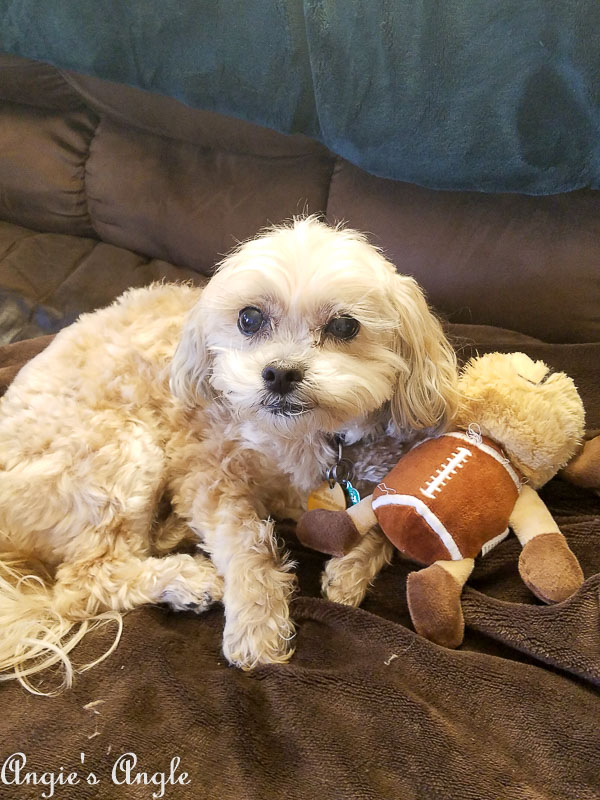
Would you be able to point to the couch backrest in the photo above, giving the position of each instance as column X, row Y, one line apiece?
column 87, row 157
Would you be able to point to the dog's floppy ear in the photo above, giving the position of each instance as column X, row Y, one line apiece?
column 426, row 394
column 190, row 367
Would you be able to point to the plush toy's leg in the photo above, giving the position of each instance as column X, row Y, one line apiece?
column 434, row 601
column 547, row 565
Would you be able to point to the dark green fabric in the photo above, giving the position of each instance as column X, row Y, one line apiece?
column 493, row 96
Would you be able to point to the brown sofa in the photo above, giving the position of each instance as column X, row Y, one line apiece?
column 103, row 187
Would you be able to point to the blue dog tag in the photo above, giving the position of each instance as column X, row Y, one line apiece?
column 352, row 495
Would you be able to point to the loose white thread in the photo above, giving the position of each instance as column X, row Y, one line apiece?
column 474, row 433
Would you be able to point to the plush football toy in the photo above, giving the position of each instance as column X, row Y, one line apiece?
column 453, row 497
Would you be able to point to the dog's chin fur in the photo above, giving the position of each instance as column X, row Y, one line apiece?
column 162, row 392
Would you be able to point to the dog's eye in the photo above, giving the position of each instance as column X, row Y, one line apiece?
column 342, row 327
column 250, row 320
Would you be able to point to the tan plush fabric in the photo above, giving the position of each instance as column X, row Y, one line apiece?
column 584, row 469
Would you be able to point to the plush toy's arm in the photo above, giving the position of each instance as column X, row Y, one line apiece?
column 434, row 600
column 584, row 469
column 336, row 532
column 547, row 564
column 362, row 515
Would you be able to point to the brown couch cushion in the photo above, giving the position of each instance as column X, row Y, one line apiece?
column 48, row 279
column 190, row 204
column 42, row 167
column 530, row 264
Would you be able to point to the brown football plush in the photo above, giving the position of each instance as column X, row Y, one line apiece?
column 447, row 498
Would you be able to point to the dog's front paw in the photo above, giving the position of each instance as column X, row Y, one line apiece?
column 195, row 588
column 258, row 628
column 258, row 644
column 344, row 581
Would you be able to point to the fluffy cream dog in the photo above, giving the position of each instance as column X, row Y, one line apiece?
column 223, row 400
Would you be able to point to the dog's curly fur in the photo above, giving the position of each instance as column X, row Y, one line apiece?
column 162, row 394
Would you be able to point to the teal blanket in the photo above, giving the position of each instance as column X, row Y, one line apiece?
column 491, row 95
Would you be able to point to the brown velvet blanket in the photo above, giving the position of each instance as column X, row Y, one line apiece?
column 365, row 709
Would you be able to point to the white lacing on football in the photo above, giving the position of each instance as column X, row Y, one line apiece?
column 500, row 458
column 446, row 470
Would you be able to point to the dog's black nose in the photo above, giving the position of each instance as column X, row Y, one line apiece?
column 281, row 380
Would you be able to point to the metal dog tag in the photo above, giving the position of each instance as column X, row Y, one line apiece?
column 336, row 493
column 327, row 496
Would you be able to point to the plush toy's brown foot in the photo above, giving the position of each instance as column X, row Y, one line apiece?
column 434, row 605
column 549, row 568
column 331, row 532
